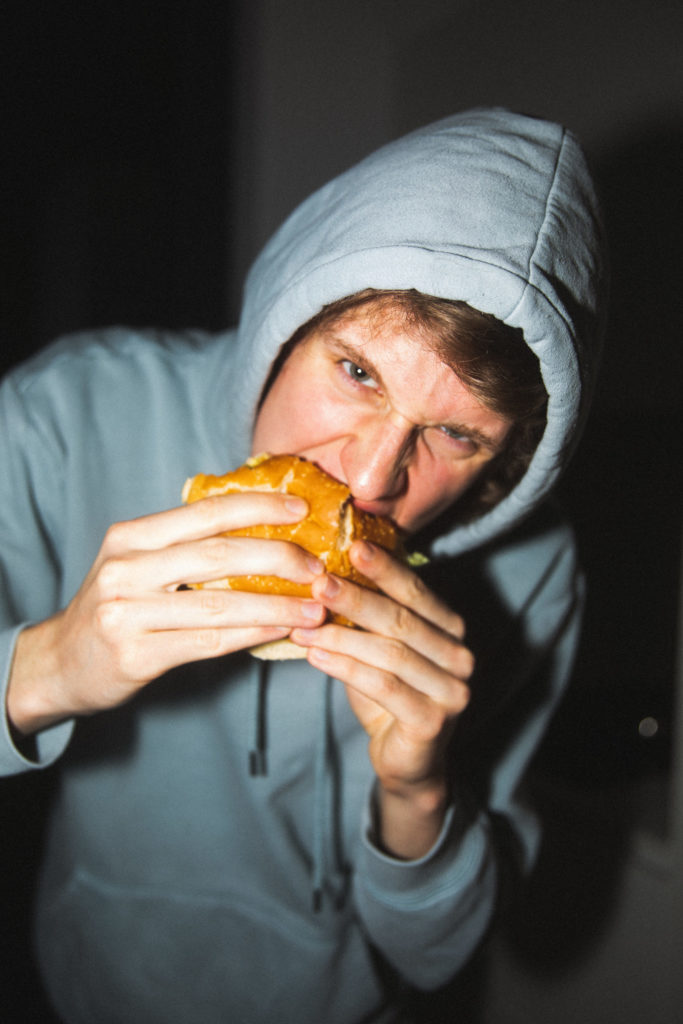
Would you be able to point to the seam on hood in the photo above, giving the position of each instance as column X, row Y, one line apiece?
column 548, row 202
column 455, row 253
column 543, row 231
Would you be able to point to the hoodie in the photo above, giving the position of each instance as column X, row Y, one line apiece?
column 210, row 852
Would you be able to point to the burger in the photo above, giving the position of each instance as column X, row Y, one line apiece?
column 329, row 529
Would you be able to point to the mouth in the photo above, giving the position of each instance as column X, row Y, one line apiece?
column 384, row 509
column 375, row 508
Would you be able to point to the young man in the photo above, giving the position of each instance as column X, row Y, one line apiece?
column 446, row 286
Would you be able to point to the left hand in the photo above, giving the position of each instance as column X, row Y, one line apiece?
column 406, row 672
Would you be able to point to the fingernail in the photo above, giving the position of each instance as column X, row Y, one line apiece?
column 332, row 587
column 304, row 636
column 365, row 551
column 310, row 610
column 319, row 657
column 315, row 565
column 297, row 506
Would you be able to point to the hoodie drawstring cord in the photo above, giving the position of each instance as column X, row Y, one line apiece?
column 257, row 755
column 328, row 866
column 328, row 872
column 320, row 798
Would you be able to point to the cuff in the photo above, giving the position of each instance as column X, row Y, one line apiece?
column 16, row 753
column 455, row 857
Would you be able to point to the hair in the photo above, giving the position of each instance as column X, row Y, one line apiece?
column 491, row 359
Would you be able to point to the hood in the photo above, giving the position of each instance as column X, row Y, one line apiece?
column 490, row 207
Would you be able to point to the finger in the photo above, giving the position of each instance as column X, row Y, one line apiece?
column 405, row 586
column 381, row 615
column 383, row 669
column 203, row 561
column 204, row 518
column 206, row 609
column 152, row 654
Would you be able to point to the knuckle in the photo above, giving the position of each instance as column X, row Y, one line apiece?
column 388, row 686
column 218, row 552
column 460, row 662
column 216, row 548
column 208, row 642
column 212, row 601
column 431, row 721
column 396, row 652
column 467, row 663
column 110, row 577
column 416, row 588
column 109, row 618
column 208, row 510
column 439, row 719
column 117, row 538
column 205, row 506
column 402, row 619
column 461, row 698
column 458, row 627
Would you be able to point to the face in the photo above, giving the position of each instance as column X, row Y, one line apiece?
column 378, row 409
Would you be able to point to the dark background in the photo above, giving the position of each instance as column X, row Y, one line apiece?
column 116, row 129
column 147, row 151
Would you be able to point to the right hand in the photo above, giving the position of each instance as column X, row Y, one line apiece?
column 128, row 623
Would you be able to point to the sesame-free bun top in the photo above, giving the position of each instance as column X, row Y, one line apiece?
column 328, row 530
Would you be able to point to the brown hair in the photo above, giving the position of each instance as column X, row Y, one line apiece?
column 491, row 359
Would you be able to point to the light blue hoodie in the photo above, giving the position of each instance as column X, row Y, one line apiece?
column 178, row 886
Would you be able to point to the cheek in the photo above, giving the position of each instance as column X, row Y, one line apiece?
column 295, row 415
column 433, row 490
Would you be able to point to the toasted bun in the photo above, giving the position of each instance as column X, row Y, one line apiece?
column 329, row 529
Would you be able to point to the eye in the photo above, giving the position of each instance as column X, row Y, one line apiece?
column 455, row 435
column 357, row 373
column 457, row 442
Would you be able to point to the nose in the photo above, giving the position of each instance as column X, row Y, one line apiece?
column 375, row 459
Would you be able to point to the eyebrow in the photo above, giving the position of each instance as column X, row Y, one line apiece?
column 360, row 359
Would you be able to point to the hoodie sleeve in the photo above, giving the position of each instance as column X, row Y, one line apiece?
column 29, row 571
column 427, row 917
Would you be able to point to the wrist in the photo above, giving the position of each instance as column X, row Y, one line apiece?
column 29, row 707
column 409, row 818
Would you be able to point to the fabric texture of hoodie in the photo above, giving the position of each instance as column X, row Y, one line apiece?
column 179, row 886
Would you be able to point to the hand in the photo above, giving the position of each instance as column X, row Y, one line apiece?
column 405, row 672
column 129, row 623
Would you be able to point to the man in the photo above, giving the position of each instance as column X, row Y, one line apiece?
column 176, row 887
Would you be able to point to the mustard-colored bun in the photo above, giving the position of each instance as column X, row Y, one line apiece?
column 328, row 531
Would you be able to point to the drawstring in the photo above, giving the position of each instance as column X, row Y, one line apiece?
column 328, row 871
column 320, row 794
column 257, row 755
column 328, row 867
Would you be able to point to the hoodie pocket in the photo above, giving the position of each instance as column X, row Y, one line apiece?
column 117, row 955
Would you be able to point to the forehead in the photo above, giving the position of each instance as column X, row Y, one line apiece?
column 377, row 316
column 404, row 360
column 384, row 331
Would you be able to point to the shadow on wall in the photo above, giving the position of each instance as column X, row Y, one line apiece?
column 601, row 775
